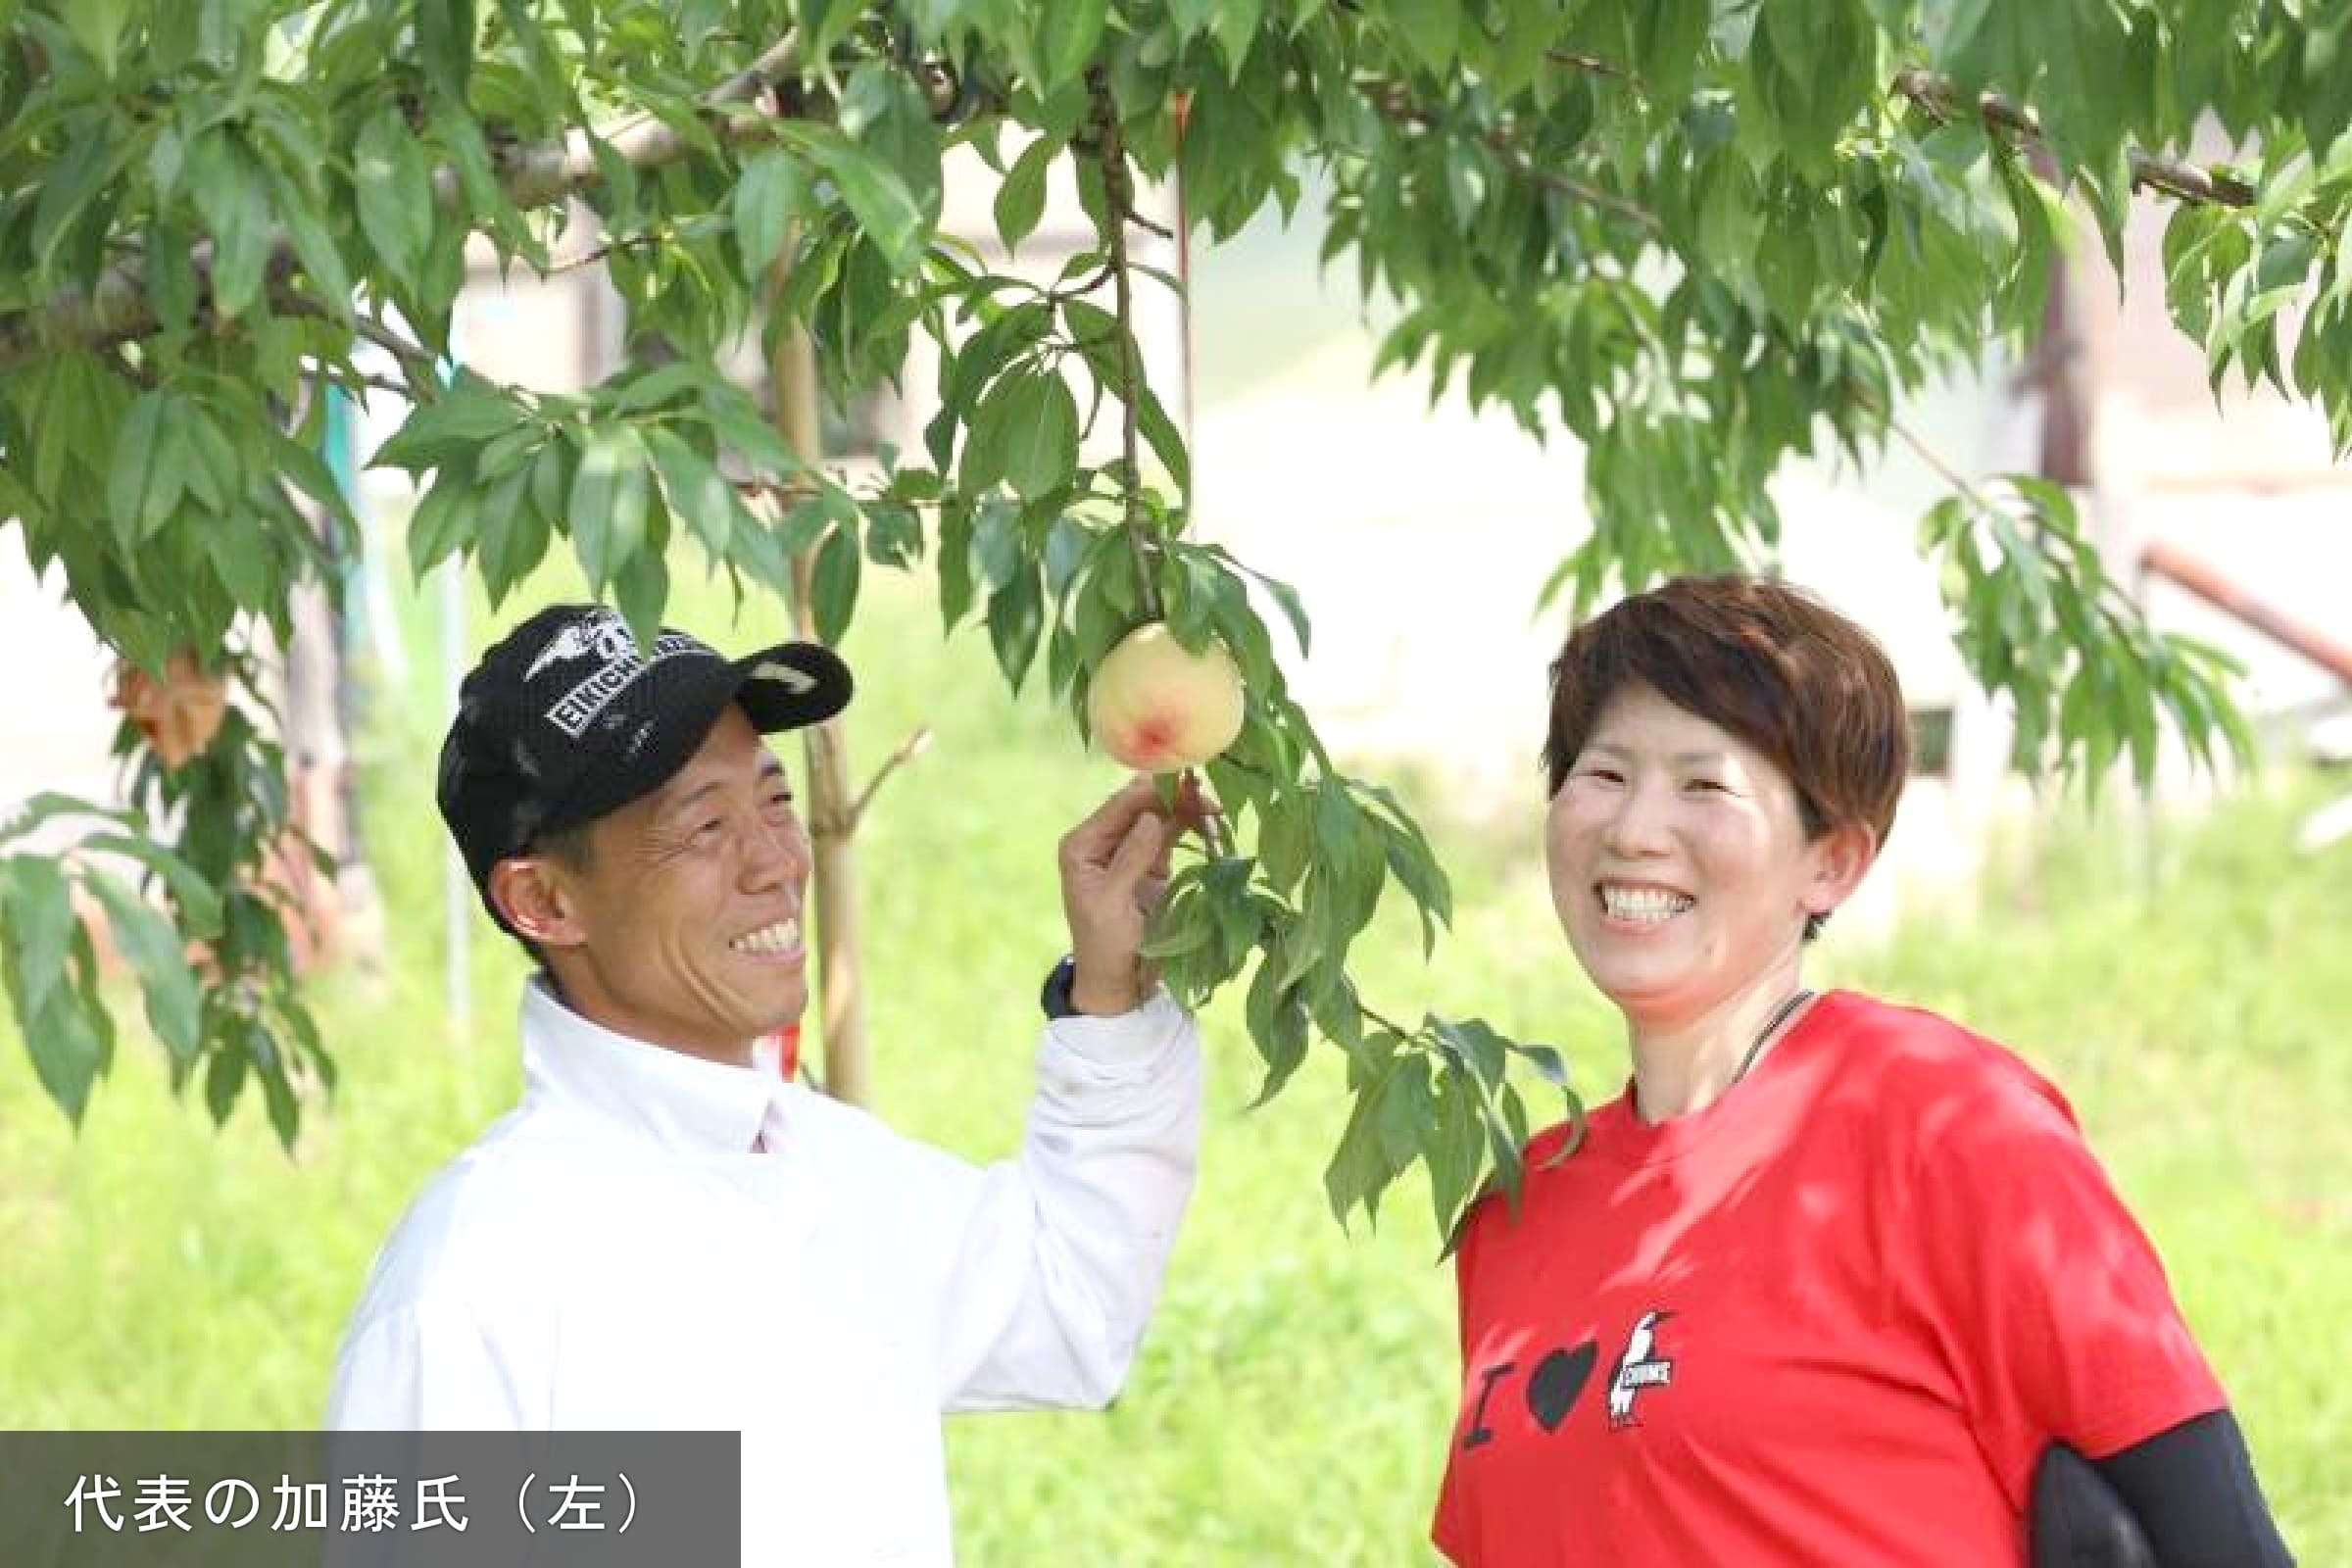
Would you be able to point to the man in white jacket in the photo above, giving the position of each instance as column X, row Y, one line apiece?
column 660, row 1236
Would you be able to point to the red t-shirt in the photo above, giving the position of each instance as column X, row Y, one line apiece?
column 1834, row 1317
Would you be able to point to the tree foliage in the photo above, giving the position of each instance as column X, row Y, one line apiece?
column 1701, row 237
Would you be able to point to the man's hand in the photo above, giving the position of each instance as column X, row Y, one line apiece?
column 1114, row 869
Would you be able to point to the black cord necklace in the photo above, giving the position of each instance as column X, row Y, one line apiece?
column 1772, row 1025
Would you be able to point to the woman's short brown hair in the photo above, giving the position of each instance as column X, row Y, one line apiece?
column 1771, row 664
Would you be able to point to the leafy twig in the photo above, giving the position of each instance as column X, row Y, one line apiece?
column 117, row 307
column 2176, row 177
column 414, row 357
column 606, row 251
column 545, row 172
column 913, row 747
column 1118, row 199
column 1397, row 106
column 1596, row 65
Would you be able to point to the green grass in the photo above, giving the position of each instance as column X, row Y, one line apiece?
column 1291, row 1405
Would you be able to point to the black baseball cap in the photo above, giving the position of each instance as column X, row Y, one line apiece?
column 567, row 720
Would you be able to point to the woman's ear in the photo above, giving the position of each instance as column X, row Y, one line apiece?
column 531, row 892
column 1841, row 857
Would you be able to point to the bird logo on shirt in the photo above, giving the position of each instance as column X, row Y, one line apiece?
column 1641, row 1367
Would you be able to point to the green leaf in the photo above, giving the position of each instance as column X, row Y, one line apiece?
column 96, row 25
column 395, row 192
column 1286, row 598
column 1236, row 28
column 739, row 427
column 514, row 534
column 139, row 491
column 247, row 575
column 214, row 473
column 767, row 197
column 313, row 246
column 640, row 589
column 37, row 914
column 1015, row 619
column 996, row 542
column 1277, row 1021
column 1405, row 1113
column 606, row 511
column 1068, row 545
column 1159, row 431
column 699, row 493
column 1069, row 33
column 443, row 521
column 658, row 386
column 885, row 208
column 1030, row 421
column 955, row 565
column 277, row 1091
column 618, row 181
column 833, row 595
column 1285, row 842
column 1430, row 30
column 465, row 418
column 50, row 805
column 1361, row 1167
column 445, row 35
column 1191, row 16
column 1670, row 38
column 151, row 945
column 2327, row 85
column 67, row 1041
column 171, row 274
column 233, row 198
column 552, row 473
column 802, row 528
column 68, row 186
column 460, row 136
column 1021, row 198
column 1424, row 880
column 884, row 112
column 1185, row 925
column 894, row 535
column 223, row 1080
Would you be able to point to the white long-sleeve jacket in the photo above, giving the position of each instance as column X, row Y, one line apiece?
column 613, row 1255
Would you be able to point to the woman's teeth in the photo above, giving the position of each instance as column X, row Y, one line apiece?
column 1643, row 905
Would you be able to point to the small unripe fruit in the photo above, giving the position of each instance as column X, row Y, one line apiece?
column 1158, row 707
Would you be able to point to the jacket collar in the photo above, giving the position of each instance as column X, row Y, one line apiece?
column 681, row 1102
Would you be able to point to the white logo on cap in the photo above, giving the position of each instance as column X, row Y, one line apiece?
column 601, row 634
column 606, row 635
column 801, row 682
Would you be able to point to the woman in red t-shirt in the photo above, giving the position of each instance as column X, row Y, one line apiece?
column 1832, row 1278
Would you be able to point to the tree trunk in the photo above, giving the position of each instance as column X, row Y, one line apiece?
column 832, row 815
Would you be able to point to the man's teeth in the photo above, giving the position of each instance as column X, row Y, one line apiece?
column 782, row 937
column 1642, row 903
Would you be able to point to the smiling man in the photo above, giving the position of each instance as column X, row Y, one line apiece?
column 662, row 1236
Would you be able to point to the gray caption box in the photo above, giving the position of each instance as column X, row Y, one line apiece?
column 371, row 1499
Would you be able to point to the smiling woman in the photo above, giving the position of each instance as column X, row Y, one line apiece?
column 1845, row 1274
column 1744, row 744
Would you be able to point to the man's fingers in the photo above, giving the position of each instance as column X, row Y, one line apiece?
column 1094, row 839
column 1146, row 839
